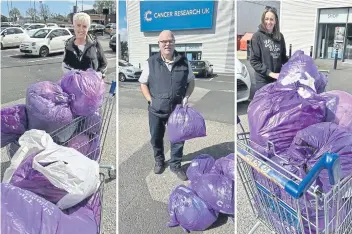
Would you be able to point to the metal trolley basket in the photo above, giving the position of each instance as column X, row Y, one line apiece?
column 94, row 128
column 285, row 203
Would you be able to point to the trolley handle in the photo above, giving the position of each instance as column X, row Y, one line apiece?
column 328, row 161
column 112, row 88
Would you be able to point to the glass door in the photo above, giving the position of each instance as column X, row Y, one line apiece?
column 335, row 40
column 348, row 53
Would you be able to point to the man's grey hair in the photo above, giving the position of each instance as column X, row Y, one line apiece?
column 81, row 17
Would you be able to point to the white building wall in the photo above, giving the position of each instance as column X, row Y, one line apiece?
column 218, row 44
column 299, row 21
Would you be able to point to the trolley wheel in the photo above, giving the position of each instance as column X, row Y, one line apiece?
column 112, row 173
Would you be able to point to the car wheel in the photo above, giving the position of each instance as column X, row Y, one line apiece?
column 122, row 77
column 44, row 51
column 2, row 47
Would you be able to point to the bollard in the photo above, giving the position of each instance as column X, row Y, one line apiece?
column 335, row 60
column 311, row 51
column 290, row 51
column 248, row 49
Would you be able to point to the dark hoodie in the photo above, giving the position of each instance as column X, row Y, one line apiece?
column 267, row 55
column 92, row 56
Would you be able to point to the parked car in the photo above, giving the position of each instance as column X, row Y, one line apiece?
column 110, row 29
column 112, row 43
column 46, row 41
column 96, row 29
column 243, row 81
column 128, row 72
column 52, row 25
column 12, row 36
column 202, row 68
column 34, row 26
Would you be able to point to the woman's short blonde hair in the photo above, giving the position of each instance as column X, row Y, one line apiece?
column 81, row 17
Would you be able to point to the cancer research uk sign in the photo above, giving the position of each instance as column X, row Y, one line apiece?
column 176, row 15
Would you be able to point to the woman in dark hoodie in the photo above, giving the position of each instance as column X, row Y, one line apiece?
column 268, row 49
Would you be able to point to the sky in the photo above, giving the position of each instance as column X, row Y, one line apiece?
column 59, row 7
column 64, row 8
column 122, row 21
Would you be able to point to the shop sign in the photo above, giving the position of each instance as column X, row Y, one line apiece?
column 176, row 15
column 337, row 15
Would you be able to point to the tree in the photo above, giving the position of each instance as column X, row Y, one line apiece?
column 124, row 50
column 31, row 12
column 14, row 13
column 44, row 11
column 100, row 5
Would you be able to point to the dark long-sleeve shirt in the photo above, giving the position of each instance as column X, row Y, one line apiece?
column 267, row 55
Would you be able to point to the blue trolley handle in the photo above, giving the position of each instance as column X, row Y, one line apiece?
column 328, row 161
column 112, row 88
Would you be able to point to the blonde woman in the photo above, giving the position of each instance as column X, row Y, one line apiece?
column 83, row 51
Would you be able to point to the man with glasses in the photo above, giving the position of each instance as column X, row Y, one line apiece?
column 167, row 80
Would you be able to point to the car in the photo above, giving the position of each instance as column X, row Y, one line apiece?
column 128, row 72
column 243, row 81
column 34, row 26
column 52, row 25
column 202, row 68
column 112, row 43
column 96, row 29
column 110, row 29
column 12, row 36
column 46, row 41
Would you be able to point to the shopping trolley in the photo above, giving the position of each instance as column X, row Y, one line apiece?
column 94, row 129
column 285, row 203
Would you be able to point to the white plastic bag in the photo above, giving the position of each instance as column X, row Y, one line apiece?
column 69, row 170
column 30, row 142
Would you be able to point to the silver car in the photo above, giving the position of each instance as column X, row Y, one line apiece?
column 243, row 82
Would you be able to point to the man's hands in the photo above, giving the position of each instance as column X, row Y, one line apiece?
column 185, row 101
column 274, row 75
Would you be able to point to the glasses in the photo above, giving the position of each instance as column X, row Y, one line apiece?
column 270, row 8
column 164, row 42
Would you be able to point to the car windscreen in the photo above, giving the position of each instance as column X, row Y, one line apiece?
column 197, row 63
column 41, row 33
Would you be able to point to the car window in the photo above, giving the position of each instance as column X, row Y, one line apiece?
column 18, row 31
column 41, row 33
column 197, row 63
column 55, row 33
column 10, row 31
column 64, row 32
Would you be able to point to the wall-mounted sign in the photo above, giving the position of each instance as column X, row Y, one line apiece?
column 176, row 15
column 333, row 15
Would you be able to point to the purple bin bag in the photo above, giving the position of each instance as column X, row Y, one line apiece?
column 200, row 165
column 185, row 123
column 93, row 123
column 87, row 89
column 310, row 144
column 224, row 166
column 86, row 145
column 189, row 211
column 24, row 212
column 341, row 113
column 231, row 156
column 47, row 107
column 301, row 66
column 26, row 177
column 87, row 207
column 13, row 123
column 217, row 191
column 278, row 112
